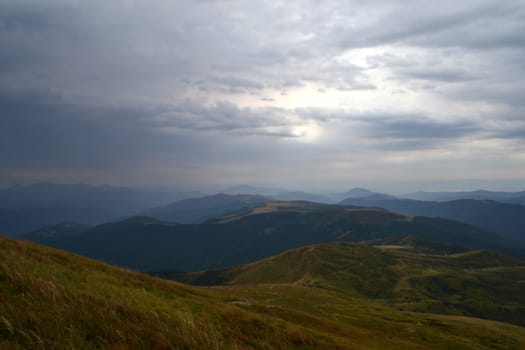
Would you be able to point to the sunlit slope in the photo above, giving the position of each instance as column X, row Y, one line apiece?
column 473, row 283
column 56, row 300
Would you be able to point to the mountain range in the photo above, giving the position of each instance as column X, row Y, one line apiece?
column 197, row 210
column 505, row 197
column 26, row 208
column 268, row 274
column 148, row 244
column 507, row 220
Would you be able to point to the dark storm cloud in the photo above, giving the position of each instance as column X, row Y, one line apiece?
column 515, row 133
column 124, row 84
column 400, row 131
column 237, row 82
column 509, row 92
column 75, row 47
column 48, row 133
column 131, row 49
column 446, row 75
column 222, row 116
column 418, row 127
column 473, row 24
column 44, row 134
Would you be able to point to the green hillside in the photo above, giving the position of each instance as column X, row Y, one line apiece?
column 472, row 283
column 56, row 300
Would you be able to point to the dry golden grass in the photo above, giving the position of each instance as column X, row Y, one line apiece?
column 50, row 299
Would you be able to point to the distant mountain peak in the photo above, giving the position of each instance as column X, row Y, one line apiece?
column 362, row 193
column 358, row 192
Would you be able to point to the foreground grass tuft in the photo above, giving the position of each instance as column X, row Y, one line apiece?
column 50, row 299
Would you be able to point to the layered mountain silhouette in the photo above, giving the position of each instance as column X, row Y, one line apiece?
column 149, row 244
column 197, row 210
column 26, row 208
column 507, row 220
column 505, row 197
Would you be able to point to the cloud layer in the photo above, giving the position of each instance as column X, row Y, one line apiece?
column 273, row 92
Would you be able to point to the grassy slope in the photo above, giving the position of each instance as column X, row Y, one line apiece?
column 474, row 283
column 51, row 299
column 376, row 325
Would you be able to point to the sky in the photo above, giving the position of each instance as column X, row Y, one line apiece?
column 304, row 94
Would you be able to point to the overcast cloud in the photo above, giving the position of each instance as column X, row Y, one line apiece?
column 194, row 93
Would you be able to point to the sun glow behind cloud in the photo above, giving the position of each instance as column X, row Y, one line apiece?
column 309, row 133
column 185, row 88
